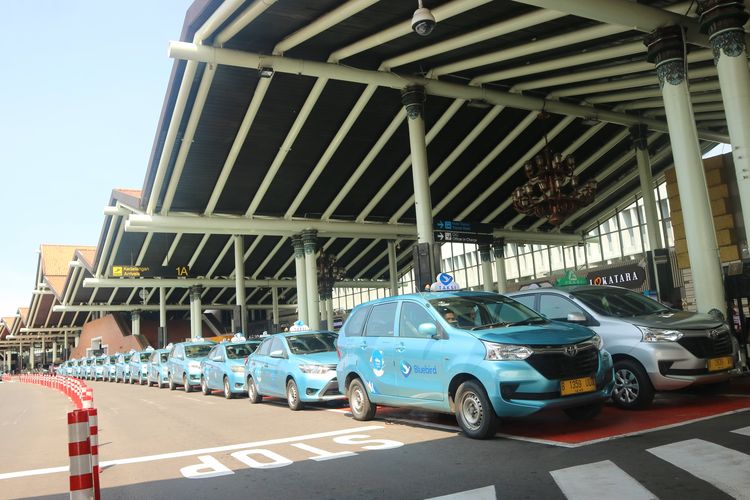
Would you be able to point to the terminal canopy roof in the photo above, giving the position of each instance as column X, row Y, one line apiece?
column 325, row 137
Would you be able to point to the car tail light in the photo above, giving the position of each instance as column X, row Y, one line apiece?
column 338, row 352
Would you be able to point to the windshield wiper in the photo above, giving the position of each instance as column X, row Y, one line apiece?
column 489, row 325
column 528, row 321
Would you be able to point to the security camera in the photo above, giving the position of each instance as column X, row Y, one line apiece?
column 422, row 22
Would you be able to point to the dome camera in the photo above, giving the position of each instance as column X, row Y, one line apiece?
column 422, row 22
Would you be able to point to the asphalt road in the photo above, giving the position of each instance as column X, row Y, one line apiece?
column 163, row 444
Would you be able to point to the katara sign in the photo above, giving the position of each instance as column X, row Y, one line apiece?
column 631, row 276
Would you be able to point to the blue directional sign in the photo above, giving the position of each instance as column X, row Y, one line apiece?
column 460, row 226
column 456, row 237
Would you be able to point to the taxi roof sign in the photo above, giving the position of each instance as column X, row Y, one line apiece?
column 443, row 282
column 571, row 279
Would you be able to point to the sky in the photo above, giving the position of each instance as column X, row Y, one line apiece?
column 81, row 89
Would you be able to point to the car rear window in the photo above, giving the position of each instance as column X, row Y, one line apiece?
column 312, row 343
column 356, row 322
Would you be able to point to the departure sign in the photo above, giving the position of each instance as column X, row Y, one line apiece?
column 128, row 271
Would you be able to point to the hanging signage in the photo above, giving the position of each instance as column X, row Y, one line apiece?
column 630, row 276
column 451, row 237
column 127, row 271
column 460, row 226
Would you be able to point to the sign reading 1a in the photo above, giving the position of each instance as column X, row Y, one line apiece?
column 127, row 271
column 182, row 271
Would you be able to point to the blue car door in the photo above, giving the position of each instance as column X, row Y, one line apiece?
column 275, row 370
column 420, row 359
column 217, row 367
column 376, row 363
column 257, row 365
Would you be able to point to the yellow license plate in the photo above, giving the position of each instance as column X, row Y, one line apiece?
column 577, row 386
column 718, row 364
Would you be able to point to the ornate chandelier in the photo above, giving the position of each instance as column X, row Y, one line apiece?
column 552, row 189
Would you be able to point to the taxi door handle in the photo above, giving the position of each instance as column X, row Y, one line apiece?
column 401, row 348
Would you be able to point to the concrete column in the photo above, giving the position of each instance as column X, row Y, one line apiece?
column 665, row 49
column 162, row 341
column 8, row 361
column 275, row 306
column 135, row 322
column 76, row 339
column 31, row 356
column 310, row 240
column 499, row 248
column 54, row 351
column 299, row 266
column 638, row 135
column 196, row 315
column 392, row 268
column 329, row 313
column 413, row 99
column 486, row 263
column 724, row 22
column 66, row 347
column 239, row 279
column 44, row 353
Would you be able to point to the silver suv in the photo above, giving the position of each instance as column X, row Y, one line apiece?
column 654, row 348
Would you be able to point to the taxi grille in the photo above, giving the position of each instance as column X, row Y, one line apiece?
column 556, row 366
column 706, row 347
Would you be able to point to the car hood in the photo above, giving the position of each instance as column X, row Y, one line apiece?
column 323, row 358
column 552, row 333
column 676, row 319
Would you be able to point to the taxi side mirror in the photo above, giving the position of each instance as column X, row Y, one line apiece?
column 277, row 354
column 577, row 318
column 429, row 330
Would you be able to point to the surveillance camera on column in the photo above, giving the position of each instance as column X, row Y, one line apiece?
column 422, row 22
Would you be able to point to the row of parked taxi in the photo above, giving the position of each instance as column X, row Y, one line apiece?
column 479, row 355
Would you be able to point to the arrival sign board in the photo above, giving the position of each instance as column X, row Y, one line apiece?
column 128, row 271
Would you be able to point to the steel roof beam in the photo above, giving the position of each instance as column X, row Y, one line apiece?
column 189, row 51
column 207, row 283
column 151, row 308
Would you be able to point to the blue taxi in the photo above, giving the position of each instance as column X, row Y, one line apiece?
column 299, row 365
column 184, row 363
column 122, row 368
column 87, row 369
column 138, row 366
column 97, row 367
column 157, row 368
column 478, row 355
column 109, row 368
column 224, row 367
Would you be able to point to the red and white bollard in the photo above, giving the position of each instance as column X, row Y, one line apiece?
column 79, row 451
column 94, row 438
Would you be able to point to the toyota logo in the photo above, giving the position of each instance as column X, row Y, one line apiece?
column 714, row 334
column 571, row 350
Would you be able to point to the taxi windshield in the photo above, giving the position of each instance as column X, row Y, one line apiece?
column 127, row 357
column 478, row 312
column 312, row 343
column 238, row 351
column 113, row 359
column 618, row 302
column 164, row 357
column 100, row 361
column 197, row 351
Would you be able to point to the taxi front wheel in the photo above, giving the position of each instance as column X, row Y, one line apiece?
column 204, row 387
column 474, row 412
column 185, row 384
column 227, row 390
column 172, row 385
column 359, row 402
column 252, row 391
column 292, row 396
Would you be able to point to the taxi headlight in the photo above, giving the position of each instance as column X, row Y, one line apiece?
column 314, row 369
column 237, row 369
column 659, row 334
column 506, row 352
column 597, row 341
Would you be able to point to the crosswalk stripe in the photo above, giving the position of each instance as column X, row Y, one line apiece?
column 594, row 480
column 486, row 493
column 724, row 468
column 745, row 431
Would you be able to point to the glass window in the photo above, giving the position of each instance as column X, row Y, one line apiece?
column 413, row 315
column 485, row 311
column 265, row 347
column 381, row 320
column 239, row 351
column 312, row 343
column 527, row 300
column 164, row 357
column 619, row 302
column 197, row 351
column 356, row 322
column 277, row 345
column 557, row 307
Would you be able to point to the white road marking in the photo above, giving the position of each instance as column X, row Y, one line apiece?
column 723, row 467
column 203, row 451
column 595, row 480
column 745, row 431
column 486, row 493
